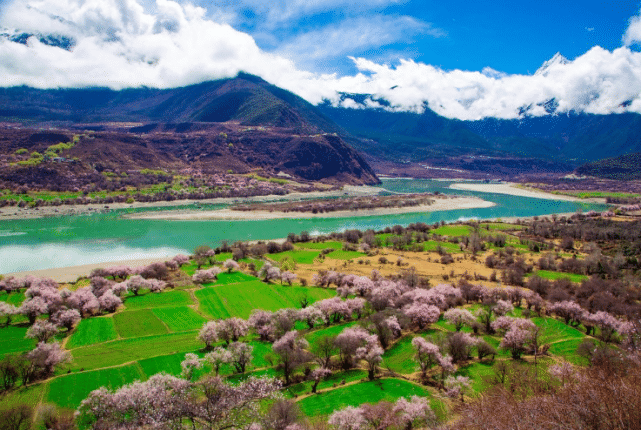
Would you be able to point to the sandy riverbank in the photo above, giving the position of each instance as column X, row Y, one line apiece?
column 72, row 210
column 513, row 190
column 441, row 204
column 72, row 273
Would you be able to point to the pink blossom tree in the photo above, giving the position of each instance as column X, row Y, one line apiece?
column 46, row 356
column 241, row 355
column 33, row 308
column 67, row 318
column 206, row 276
column 570, row 311
column 230, row 265
column 518, row 336
column 456, row 387
column 209, row 333
column 421, row 314
column 415, row 412
column 502, row 307
column 311, row 316
column 137, row 283
column 231, row 329
column 348, row 418
column 84, row 300
column 189, row 365
column 291, row 352
column 459, row 317
column 348, row 341
column 109, row 302
column 426, row 354
column 156, row 285
column 260, row 321
column 317, row 376
column 269, row 272
column 181, row 259
column 288, row 277
column 7, row 311
column 42, row 331
column 372, row 354
column 218, row 358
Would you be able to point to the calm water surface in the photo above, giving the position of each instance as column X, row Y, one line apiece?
column 69, row 241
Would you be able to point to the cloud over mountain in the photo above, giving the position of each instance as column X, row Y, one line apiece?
column 121, row 43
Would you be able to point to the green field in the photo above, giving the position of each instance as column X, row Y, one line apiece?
column 320, row 245
column 14, row 299
column 553, row 276
column 30, row 395
column 117, row 352
column 554, row 330
column 12, row 340
column 85, row 382
column 331, row 381
column 180, row 319
column 155, row 300
column 432, row 245
column 354, row 395
column 224, row 301
column 92, row 330
column 299, row 256
column 327, row 331
column 452, row 230
column 400, row 357
column 138, row 323
column 345, row 255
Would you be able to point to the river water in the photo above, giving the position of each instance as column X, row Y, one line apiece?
column 70, row 241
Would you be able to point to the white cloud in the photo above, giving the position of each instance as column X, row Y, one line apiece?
column 118, row 44
column 633, row 32
column 355, row 35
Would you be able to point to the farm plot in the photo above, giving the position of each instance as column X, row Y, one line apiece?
column 180, row 319
column 117, row 352
column 345, row 255
column 155, row 300
column 92, row 330
column 12, row 339
column 138, row 323
column 29, row 395
column 329, row 382
column 14, row 299
column 354, row 395
column 69, row 390
column 299, row 256
column 553, row 276
column 320, row 245
column 224, row 301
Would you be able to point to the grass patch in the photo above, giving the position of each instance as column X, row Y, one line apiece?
column 329, row 331
column 69, row 390
column 224, row 301
column 479, row 373
column 400, row 357
column 234, row 278
column 345, row 255
column 554, row 330
column 553, row 276
column 180, row 319
column 12, row 339
column 29, row 395
column 126, row 350
column 138, row 323
column 14, row 299
column 432, row 246
column 452, row 230
column 320, row 245
column 155, row 300
column 330, row 382
column 357, row 394
column 92, row 330
column 567, row 350
column 299, row 256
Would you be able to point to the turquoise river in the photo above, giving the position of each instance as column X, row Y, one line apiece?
column 68, row 241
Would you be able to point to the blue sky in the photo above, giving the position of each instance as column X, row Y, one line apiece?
column 466, row 60
column 509, row 36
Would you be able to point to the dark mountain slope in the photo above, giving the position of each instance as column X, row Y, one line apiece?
column 246, row 99
column 625, row 167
